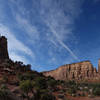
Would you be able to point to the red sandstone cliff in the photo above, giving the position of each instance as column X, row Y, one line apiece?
column 78, row 71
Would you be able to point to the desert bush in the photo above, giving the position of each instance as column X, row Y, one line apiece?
column 47, row 97
column 72, row 91
column 52, row 83
column 96, row 92
column 26, row 87
column 4, row 92
column 5, row 78
column 41, row 83
column 26, row 76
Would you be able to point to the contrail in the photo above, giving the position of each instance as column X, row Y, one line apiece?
column 68, row 49
column 62, row 43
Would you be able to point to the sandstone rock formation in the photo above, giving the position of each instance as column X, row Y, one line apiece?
column 78, row 71
column 99, row 66
column 3, row 48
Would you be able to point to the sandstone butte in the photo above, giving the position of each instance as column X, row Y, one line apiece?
column 76, row 71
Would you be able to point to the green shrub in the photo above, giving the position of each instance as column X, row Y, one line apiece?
column 26, row 87
column 47, row 97
column 5, row 78
column 40, row 83
column 4, row 92
column 52, row 83
column 72, row 91
column 26, row 76
column 96, row 92
column 3, row 87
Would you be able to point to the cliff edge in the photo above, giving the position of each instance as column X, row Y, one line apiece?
column 77, row 71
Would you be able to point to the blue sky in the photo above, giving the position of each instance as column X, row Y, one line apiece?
column 50, row 33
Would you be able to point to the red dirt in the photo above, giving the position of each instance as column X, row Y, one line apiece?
column 83, row 98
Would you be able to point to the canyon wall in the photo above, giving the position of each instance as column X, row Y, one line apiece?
column 78, row 71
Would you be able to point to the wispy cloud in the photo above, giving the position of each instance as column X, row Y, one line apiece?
column 23, row 21
column 62, row 43
column 14, row 45
column 60, row 22
column 48, row 27
column 25, row 25
column 15, row 56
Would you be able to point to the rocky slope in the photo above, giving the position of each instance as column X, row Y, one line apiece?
column 18, row 81
column 78, row 71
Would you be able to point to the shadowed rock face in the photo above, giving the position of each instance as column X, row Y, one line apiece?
column 78, row 71
column 3, row 48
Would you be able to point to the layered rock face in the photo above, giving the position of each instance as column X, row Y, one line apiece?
column 3, row 48
column 99, row 66
column 78, row 71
